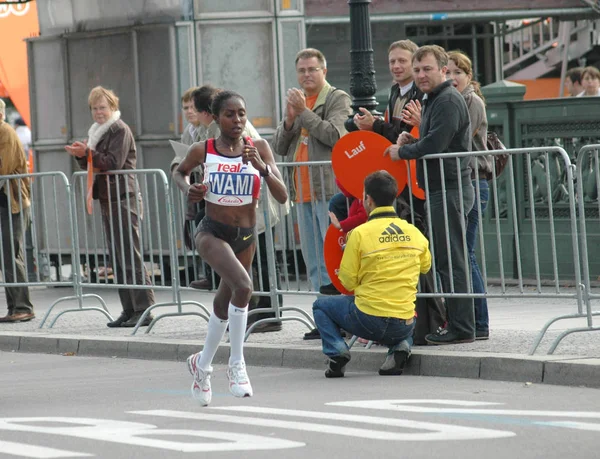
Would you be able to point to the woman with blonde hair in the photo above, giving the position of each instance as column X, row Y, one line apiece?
column 112, row 148
column 460, row 71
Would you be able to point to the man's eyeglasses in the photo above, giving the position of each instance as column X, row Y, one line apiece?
column 310, row 70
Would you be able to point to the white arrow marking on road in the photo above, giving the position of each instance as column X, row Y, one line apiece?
column 440, row 431
column 135, row 433
column 39, row 452
column 405, row 406
column 572, row 425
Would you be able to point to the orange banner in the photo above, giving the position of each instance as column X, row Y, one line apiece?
column 17, row 22
column 90, row 184
column 3, row 91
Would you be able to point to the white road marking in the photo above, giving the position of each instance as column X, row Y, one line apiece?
column 408, row 407
column 137, row 434
column 39, row 452
column 437, row 431
column 572, row 425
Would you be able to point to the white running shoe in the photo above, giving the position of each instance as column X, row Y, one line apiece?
column 239, row 383
column 201, row 390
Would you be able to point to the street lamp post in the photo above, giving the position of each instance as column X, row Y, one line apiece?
column 362, row 69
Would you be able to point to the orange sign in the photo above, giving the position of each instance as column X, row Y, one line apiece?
column 17, row 22
column 333, row 252
column 3, row 91
column 360, row 153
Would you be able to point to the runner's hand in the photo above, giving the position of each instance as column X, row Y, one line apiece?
column 196, row 192
column 251, row 155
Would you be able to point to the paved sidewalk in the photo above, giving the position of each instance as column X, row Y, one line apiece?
column 515, row 323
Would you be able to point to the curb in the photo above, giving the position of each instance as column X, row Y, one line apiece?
column 548, row 369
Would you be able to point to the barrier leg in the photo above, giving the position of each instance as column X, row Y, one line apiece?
column 306, row 320
column 545, row 328
column 352, row 341
column 560, row 337
column 103, row 309
column 204, row 314
column 309, row 324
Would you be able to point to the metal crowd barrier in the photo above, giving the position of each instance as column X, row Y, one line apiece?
column 513, row 220
column 269, row 243
column 513, row 249
column 588, row 191
column 133, row 236
column 288, row 228
column 527, row 242
column 49, row 203
column 516, row 242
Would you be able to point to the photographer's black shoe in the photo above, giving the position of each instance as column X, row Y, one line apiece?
column 394, row 363
column 337, row 366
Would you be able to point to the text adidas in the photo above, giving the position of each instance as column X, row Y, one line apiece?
column 394, row 238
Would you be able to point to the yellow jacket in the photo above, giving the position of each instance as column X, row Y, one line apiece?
column 13, row 162
column 382, row 262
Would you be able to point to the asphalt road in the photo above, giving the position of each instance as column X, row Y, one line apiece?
column 60, row 406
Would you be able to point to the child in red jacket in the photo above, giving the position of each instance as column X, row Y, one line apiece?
column 345, row 212
column 357, row 215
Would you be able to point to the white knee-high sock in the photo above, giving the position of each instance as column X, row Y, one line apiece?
column 216, row 330
column 238, row 319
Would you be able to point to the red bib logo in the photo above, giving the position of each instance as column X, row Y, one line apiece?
column 232, row 200
column 235, row 168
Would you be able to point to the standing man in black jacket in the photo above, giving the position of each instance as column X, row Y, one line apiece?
column 404, row 103
column 445, row 128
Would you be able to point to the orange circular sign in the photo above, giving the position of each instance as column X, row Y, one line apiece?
column 333, row 252
column 360, row 153
column 416, row 190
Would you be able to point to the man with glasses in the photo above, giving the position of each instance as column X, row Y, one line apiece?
column 313, row 123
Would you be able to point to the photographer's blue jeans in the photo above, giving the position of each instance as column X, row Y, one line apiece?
column 481, row 308
column 334, row 312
